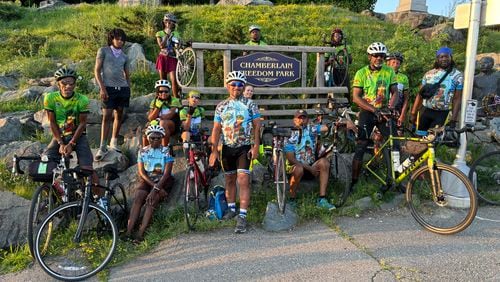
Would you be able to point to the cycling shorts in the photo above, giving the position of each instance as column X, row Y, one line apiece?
column 118, row 98
column 235, row 160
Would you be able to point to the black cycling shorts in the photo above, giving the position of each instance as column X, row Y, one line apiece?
column 235, row 160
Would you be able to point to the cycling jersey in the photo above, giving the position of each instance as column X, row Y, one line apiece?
column 154, row 160
column 198, row 115
column 67, row 111
column 403, row 85
column 165, row 105
column 303, row 143
column 444, row 97
column 169, row 48
column 253, row 43
column 236, row 117
column 376, row 84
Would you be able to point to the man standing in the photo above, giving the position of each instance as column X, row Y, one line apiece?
column 394, row 60
column 374, row 87
column 233, row 121
column 255, row 36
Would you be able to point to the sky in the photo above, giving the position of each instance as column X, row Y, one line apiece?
column 436, row 7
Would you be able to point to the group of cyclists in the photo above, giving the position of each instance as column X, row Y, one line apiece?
column 235, row 136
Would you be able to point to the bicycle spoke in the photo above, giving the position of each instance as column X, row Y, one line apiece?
column 485, row 172
column 191, row 198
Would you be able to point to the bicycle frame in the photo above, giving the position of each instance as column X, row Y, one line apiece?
column 199, row 176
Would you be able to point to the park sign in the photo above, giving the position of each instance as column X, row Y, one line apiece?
column 268, row 69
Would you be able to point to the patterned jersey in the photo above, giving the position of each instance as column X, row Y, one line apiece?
column 444, row 97
column 198, row 115
column 67, row 111
column 169, row 48
column 236, row 117
column 154, row 161
column 165, row 105
column 403, row 85
column 252, row 43
column 303, row 144
column 376, row 84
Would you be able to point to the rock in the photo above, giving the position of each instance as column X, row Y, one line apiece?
column 10, row 130
column 13, row 213
column 258, row 172
column 95, row 115
column 495, row 128
column 131, row 144
column 9, row 96
column 45, row 81
column 50, row 4
column 395, row 203
column 139, row 2
column 129, row 179
column 138, row 61
column 113, row 158
column 33, row 93
column 365, row 203
column 275, row 221
column 141, row 104
column 8, row 82
column 369, row 13
column 132, row 122
column 453, row 34
column 418, row 20
column 20, row 148
column 245, row 2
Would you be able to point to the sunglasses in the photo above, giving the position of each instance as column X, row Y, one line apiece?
column 237, row 84
column 378, row 56
column 156, row 138
column 196, row 97
column 302, row 117
column 163, row 91
column 64, row 83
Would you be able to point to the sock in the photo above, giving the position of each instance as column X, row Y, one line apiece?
column 113, row 143
column 103, row 144
column 232, row 206
column 243, row 213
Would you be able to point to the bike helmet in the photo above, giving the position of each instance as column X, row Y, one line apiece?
column 162, row 82
column 64, row 72
column 236, row 75
column 170, row 17
column 155, row 129
column 377, row 48
column 395, row 55
column 337, row 30
column 194, row 93
column 252, row 27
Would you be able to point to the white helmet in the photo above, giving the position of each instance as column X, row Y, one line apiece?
column 236, row 75
column 162, row 82
column 155, row 129
column 253, row 27
column 377, row 48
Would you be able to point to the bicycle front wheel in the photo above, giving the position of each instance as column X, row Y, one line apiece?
column 340, row 177
column 191, row 198
column 485, row 173
column 448, row 211
column 65, row 257
column 186, row 67
column 43, row 202
column 281, row 182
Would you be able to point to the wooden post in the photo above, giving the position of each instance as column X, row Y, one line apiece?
column 200, row 71
column 227, row 63
column 320, row 70
column 304, row 69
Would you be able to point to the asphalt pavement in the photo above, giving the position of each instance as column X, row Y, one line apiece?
column 377, row 246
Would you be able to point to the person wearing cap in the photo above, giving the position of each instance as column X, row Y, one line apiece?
column 233, row 122
column 301, row 162
column 394, row 60
column 255, row 36
column 166, row 61
column 191, row 117
column 374, row 88
column 447, row 98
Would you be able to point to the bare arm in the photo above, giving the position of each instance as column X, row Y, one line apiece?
column 98, row 78
column 214, row 139
column 456, row 107
column 356, row 98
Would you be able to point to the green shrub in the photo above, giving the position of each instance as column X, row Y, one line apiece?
column 37, row 67
column 10, row 11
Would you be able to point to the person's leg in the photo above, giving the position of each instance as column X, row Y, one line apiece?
column 175, row 87
column 295, row 177
column 229, row 168
column 148, row 212
column 107, row 116
column 135, row 211
column 323, row 165
column 117, row 123
column 365, row 127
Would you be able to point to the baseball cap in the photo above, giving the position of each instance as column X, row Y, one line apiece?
column 300, row 113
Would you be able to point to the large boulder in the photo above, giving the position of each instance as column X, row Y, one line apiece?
column 95, row 115
column 418, row 20
column 10, row 130
column 141, row 104
column 13, row 213
column 20, row 148
column 112, row 158
column 444, row 28
column 28, row 124
column 137, row 58
column 8, row 82
column 31, row 94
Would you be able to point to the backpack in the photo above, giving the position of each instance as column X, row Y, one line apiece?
column 217, row 204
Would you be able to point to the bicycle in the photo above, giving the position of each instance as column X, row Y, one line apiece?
column 77, row 239
column 186, row 63
column 431, row 192
column 198, row 175
column 337, row 73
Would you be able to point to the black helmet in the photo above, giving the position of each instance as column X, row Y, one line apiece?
column 395, row 55
column 170, row 17
column 65, row 72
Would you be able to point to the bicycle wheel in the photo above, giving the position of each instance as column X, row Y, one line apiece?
column 340, row 177
column 119, row 206
column 186, row 67
column 43, row 202
column 486, row 173
column 191, row 198
column 341, row 68
column 449, row 212
column 65, row 258
column 281, row 182
column 346, row 140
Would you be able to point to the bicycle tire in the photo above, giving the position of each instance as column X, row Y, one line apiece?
column 119, row 206
column 346, row 140
column 449, row 214
column 64, row 259
column 280, row 181
column 340, row 177
column 42, row 203
column 485, row 173
column 186, row 67
column 343, row 67
column 191, row 198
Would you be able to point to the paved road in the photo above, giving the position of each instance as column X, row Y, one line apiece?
column 381, row 246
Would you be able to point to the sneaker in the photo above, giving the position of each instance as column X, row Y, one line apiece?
column 324, row 204
column 241, row 224
column 101, row 153
column 229, row 215
column 115, row 148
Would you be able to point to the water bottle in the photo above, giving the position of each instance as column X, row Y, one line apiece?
column 395, row 160
column 103, row 202
column 58, row 187
column 200, row 164
column 405, row 164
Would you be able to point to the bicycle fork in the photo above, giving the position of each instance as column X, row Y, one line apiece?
column 85, row 209
column 437, row 187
